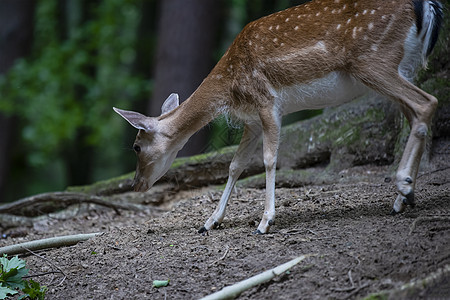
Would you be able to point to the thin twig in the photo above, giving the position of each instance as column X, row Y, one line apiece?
column 114, row 247
column 210, row 197
column 357, row 259
column 356, row 291
column 42, row 274
column 223, row 257
column 349, row 288
column 434, row 171
column 50, row 263
column 425, row 219
column 309, row 230
column 350, row 277
column 293, row 231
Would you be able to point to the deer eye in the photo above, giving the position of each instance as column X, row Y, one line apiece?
column 137, row 148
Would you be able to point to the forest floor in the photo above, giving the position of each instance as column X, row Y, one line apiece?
column 359, row 248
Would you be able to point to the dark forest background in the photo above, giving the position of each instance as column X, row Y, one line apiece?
column 64, row 65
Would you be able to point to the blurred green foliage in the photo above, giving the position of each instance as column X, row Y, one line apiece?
column 73, row 82
column 81, row 65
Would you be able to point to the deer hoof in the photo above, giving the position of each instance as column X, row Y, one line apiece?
column 257, row 232
column 409, row 199
column 203, row 230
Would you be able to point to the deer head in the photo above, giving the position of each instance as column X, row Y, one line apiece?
column 154, row 147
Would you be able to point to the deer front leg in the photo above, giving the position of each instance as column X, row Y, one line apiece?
column 245, row 151
column 271, row 134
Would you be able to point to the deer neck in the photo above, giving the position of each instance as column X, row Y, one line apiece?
column 204, row 105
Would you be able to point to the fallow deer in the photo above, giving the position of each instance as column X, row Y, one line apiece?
column 323, row 53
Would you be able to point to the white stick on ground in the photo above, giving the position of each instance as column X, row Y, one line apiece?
column 234, row 290
column 60, row 241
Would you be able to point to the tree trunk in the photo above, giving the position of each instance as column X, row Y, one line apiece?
column 16, row 30
column 186, row 33
column 78, row 154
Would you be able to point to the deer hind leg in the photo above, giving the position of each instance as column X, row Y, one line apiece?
column 245, row 151
column 418, row 107
column 271, row 123
column 419, row 118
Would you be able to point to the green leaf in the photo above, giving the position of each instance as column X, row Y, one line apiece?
column 7, row 275
column 5, row 291
column 8, row 264
column 12, row 272
column 33, row 290
column 160, row 283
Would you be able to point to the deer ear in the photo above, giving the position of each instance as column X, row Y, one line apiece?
column 171, row 103
column 137, row 120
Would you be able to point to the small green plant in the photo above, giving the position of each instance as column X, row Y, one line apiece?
column 12, row 272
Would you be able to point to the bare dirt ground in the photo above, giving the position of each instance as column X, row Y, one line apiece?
column 360, row 248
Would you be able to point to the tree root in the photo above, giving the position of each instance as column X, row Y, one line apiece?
column 59, row 200
column 9, row 221
column 54, row 242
